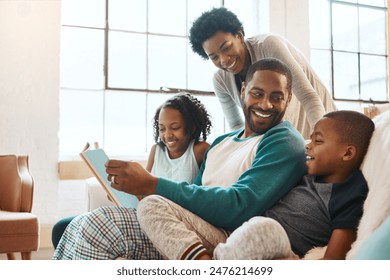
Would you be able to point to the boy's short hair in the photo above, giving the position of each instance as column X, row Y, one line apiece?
column 271, row 64
column 353, row 128
column 211, row 22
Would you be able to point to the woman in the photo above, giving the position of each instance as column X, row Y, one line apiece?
column 218, row 35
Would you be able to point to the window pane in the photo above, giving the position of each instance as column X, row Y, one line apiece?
column 247, row 12
column 89, row 13
column 378, row 3
column 372, row 31
column 82, row 58
column 373, row 77
column 81, row 120
column 346, row 75
column 196, row 8
column 319, row 24
column 167, row 17
column 127, row 60
column 200, row 72
column 125, row 132
column 167, row 62
column 127, row 15
column 345, row 32
column 349, row 1
column 321, row 63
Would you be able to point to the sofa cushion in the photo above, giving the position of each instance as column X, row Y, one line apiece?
column 375, row 169
column 18, row 232
column 377, row 246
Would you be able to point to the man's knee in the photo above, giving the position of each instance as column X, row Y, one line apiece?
column 263, row 225
column 258, row 238
column 150, row 205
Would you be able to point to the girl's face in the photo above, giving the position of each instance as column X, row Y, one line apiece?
column 172, row 132
column 227, row 51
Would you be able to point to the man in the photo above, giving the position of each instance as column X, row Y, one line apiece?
column 244, row 173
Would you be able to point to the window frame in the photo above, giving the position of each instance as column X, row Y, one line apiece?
column 359, row 54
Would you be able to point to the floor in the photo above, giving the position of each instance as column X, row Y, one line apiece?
column 42, row 254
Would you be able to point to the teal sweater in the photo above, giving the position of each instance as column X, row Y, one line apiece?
column 278, row 166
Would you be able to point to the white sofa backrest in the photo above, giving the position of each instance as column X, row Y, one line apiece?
column 376, row 167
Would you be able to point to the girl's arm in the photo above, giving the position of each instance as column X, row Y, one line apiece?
column 150, row 163
column 200, row 149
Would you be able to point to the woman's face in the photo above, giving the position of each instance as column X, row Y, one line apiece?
column 226, row 51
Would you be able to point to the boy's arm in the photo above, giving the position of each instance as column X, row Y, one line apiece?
column 339, row 244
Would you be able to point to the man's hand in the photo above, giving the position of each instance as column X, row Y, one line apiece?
column 130, row 177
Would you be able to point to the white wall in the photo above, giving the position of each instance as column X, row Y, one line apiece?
column 29, row 93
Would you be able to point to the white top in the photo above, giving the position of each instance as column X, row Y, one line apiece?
column 184, row 168
column 219, row 169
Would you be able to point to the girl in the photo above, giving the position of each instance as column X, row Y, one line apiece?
column 180, row 128
column 178, row 125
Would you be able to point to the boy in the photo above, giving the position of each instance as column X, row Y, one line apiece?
column 324, row 209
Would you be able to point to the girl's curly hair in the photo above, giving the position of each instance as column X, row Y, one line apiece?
column 211, row 22
column 196, row 118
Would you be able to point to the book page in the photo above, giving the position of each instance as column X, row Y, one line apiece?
column 96, row 160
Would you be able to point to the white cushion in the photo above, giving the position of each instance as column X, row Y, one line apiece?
column 375, row 168
column 97, row 196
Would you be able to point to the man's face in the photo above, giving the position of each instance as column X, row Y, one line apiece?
column 264, row 101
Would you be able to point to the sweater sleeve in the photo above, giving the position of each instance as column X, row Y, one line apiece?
column 231, row 110
column 277, row 167
column 276, row 47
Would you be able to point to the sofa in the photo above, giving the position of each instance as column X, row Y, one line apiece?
column 375, row 167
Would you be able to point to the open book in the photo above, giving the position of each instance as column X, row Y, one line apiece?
column 96, row 159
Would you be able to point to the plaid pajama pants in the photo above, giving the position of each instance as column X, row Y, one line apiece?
column 106, row 233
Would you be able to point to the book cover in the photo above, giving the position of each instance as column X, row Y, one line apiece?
column 96, row 160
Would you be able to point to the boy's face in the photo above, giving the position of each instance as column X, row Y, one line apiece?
column 264, row 101
column 325, row 152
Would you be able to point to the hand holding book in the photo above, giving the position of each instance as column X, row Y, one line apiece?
column 96, row 160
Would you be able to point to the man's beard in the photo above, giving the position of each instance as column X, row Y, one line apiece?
column 273, row 120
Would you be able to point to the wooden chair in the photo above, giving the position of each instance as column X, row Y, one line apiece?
column 19, row 228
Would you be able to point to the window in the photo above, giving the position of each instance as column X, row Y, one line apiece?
column 349, row 47
column 111, row 76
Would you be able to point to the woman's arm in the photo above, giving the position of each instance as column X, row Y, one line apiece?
column 277, row 47
column 229, row 98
